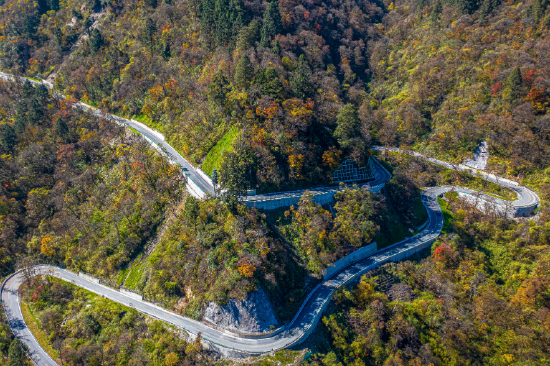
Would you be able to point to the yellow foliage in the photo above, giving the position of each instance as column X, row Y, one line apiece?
column 45, row 247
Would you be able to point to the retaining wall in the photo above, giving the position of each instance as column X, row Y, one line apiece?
column 350, row 258
column 88, row 277
column 131, row 294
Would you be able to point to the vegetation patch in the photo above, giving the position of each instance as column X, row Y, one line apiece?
column 214, row 158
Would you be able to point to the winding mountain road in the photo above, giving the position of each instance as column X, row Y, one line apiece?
column 313, row 306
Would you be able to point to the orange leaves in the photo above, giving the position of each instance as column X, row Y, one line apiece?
column 539, row 99
column 246, row 268
column 46, row 246
column 269, row 112
column 296, row 108
column 332, row 158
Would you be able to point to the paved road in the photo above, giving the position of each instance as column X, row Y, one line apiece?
column 297, row 330
column 309, row 314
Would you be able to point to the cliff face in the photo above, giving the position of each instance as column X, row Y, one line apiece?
column 252, row 315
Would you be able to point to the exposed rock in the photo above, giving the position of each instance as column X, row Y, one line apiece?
column 252, row 315
column 481, row 157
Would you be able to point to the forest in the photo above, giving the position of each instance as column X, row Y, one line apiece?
column 274, row 96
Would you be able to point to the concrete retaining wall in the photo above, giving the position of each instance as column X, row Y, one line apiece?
column 350, row 258
column 131, row 294
column 88, row 277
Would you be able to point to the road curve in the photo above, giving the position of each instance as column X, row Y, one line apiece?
column 310, row 312
column 296, row 331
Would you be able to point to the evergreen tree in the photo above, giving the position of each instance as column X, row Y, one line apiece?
column 54, row 5
column 61, row 129
column 96, row 40
column 300, row 79
column 276, row 49
column 467, row 6
column 42, row 6
column 28, row 90
column 36, row 113
column 222, row 32
column 29, row 25
column 249, row 35
column 152, row 3
column 539, row 9
column 272, row 85
column 207, row 20
column 19, row 124
column 16, row 354
column 236, row 18
column 348, row 123
column 512, row 87
column 59, row 37
column 243, row 72
column 87, row 23
column 486, row 8
column 167, row 52
column 218, row 87
column 272, row 24
column 149, row 33
column 9, row 138
column 436, row 11
column 42, row 94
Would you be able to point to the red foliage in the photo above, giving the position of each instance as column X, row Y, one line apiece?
column 496, row 89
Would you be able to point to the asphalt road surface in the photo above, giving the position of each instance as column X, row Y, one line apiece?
column 310, row 312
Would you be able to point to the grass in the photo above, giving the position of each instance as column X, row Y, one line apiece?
column 34, row 325
column 214, row 156
column 135, row 275
column 447, row 216
column 157, row 125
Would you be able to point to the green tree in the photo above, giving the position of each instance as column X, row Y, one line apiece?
column 28, row 90
column 54, row 5
column 353, row 222
column 218, row 87
column 271, row 83
column 59, row 37
column 487, row 6
column 300, row 79
column 348, row 123
column 29, row 25
column 436, row 11
column 191, row 210
column 36, row 113
column 513, row 85
column 248, row 36
column 243, row 72
column 237, row 170
column 9, row 138
column 167, row 52
column 19, row 124
column 539, row 9
column 16, row 354
column 152, row 3
column 149, row 33
column 272, row 24
column 61, row 129
column 96, row 40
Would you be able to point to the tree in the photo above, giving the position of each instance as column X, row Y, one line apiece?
column 61, row 129
column 271, row 83
column 171, row 359
column 272, row 24
column 539, row 9
column 59, row 37
column 353, row 224
column 486, row 8
column 218, row 87
column 35, row 113
column 191, row 210
column 149, row 33
column 436, row 11
column 19, row 124
column 152, row 3
column 243, row 72
column 348, row 124
column 96, row 40
column 237, row 170
column 29, row 25
column 215, row 179
column 28, row 90
column 54, row 5
column 16, row 354
column 300, row 79
column 9, row 138
column 513, row 85
column 249, row 35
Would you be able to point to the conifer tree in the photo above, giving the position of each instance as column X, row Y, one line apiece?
column 61, row 129
column 272, row 24
column 96, row 40
column 35, row 112
column 9, row 138
column 300, row 79
column 28, row 90
column 16, row 354
column 243, row 72
column 539, row 9
column 19, row 124
column 54, row 5
column 272, row 84
column 486, row 8
column 149, row 33
column 348, row 122
column 512, row 87
column 436, row 11
column 248, row 35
